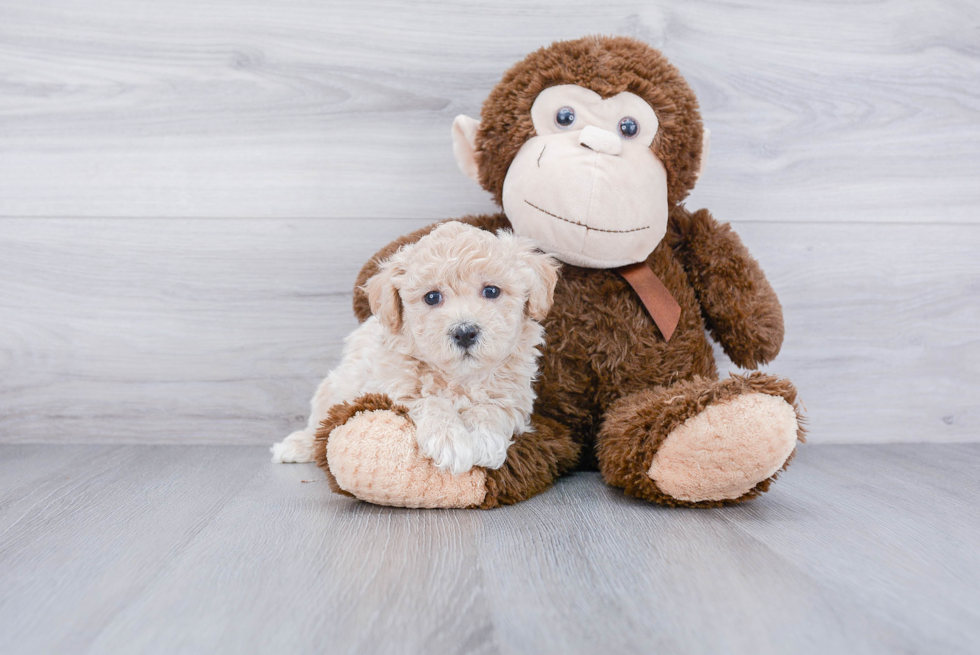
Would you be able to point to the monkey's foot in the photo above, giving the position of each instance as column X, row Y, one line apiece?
column 702, row 443
column 368, row 450
column 726, row 450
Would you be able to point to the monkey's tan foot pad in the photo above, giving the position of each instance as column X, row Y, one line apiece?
column 727, row 449
column 374, row 457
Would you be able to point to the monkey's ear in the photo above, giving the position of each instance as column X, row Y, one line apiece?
column 464, row 146
column 705, row 143
column 385, row 302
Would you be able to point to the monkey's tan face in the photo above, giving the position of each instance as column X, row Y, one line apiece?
column 587, row 186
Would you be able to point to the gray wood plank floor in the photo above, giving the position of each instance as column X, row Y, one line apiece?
column 207, row 549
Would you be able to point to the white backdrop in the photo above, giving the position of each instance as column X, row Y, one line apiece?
column 187, row 189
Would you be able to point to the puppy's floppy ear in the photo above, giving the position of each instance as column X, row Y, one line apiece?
column 383, row 296
column 541, row 274
column 541, row 291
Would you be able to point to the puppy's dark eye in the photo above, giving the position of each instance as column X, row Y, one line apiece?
column 628, row 127
column 490, row 292
column 433, row 298
column 565, row 116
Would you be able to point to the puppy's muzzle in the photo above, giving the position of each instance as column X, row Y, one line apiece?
column 465, row 335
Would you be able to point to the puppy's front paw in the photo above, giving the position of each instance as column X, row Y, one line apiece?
column 447, row 444
column 489, row 448
column 297, row 448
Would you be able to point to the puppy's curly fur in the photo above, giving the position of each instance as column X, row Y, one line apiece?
column 467, row 398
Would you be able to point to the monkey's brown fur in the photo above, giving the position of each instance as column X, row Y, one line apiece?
column 533, row 462
column 606, row 372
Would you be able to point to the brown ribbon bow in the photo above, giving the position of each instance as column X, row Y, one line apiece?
column 661, row 306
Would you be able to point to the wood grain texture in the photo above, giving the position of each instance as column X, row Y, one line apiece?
column 860, row 549
column 147, row 310
column 819, row 111
column 121, row 330
column 880, row 327
column 217, row 331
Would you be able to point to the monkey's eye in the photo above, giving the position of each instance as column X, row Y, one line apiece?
column 628, row 127
column 490, row 292
column 565, row 116
column 433, row 298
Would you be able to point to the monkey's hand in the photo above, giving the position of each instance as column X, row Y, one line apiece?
column 739, row 306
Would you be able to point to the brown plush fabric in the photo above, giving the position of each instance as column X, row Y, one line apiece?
column 601, row 345
column 533, row 462
column 606, row 65
column 340, row 414
column 740, row 309
column 637, row 424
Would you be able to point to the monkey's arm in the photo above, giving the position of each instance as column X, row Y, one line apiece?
column 739, row 306
column 362, row 308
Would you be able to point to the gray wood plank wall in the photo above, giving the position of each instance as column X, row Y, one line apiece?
column 188, row 188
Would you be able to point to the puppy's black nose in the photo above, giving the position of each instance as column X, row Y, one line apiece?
column 465, row 335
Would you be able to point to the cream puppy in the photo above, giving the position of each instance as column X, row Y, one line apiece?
column 454, row 337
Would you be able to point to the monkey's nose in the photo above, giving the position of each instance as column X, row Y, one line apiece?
column 466, row 335
column 600, row 140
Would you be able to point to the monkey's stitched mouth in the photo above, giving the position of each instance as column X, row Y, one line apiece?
column 594, row 229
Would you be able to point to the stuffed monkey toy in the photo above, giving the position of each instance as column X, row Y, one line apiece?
column 589, row 147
